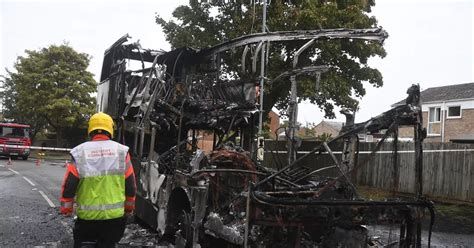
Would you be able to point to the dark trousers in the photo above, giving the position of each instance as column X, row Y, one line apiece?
column 105, row 233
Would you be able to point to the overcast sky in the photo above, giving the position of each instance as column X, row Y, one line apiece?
column 430, row 43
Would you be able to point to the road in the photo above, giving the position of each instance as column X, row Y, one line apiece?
column 29, row 208
column 29, row 200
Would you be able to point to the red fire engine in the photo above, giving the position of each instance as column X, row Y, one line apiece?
column 14, row 139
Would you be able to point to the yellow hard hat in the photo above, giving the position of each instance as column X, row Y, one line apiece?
column 101, row 121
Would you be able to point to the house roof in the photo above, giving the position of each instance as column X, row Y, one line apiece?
column 333, row 124
column 445, row 93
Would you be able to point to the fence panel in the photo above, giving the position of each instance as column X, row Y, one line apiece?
column 447, row 168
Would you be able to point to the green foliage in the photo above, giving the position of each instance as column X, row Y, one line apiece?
column 286, row 124
column 50, row 87
column 207, row 23
column 324, row 137
column 308, row 131
column 266, row 131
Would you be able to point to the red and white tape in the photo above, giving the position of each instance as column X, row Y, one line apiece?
column 43, row 148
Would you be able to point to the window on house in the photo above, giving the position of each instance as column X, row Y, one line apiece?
column 434, row 121
column 454, row 111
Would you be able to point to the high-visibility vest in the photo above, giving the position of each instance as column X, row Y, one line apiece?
column 101, row 191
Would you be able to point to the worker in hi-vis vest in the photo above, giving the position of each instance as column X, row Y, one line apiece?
column 102, row 181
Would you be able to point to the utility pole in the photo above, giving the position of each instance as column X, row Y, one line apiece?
column 260, row 139
column 262, row 70
column 292, row 121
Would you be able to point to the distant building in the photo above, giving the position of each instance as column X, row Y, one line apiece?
column 205, row 139
column 329, row 127
column 448, row 114
column 274, row 123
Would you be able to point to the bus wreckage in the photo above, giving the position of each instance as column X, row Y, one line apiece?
column 224, row 197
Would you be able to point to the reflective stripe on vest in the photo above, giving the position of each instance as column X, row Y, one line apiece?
column 66, row 204
column 101, row 190
column 104, row 173
column 101, row 207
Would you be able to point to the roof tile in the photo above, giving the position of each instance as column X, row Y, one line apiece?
column 446, row 93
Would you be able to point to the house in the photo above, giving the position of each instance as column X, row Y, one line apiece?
column 448, row 113
column 329, row 127
column 273, row 123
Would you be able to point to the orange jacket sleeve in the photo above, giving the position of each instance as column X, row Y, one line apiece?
column 130, row 186
column 68, row 189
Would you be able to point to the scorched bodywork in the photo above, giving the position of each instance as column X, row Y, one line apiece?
column 164, row 102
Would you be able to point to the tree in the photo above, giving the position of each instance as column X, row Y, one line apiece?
column 308, row 131
column 50, row 87
column 324, row 137
column 286, row 124
column 207, row 23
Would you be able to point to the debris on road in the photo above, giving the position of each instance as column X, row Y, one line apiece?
column 137, row 236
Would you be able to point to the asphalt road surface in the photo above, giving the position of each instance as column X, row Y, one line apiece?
column 29, row 208
column 29, row 205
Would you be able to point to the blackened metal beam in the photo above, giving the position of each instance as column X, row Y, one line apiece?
column 315, row 172
column 375, row 34
column 300, row 51
column 396, row 170
column 300, row 71
column 255, row 57
column 338, row 165
column 244, row 56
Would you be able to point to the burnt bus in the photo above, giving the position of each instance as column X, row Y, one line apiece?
column 162, row 103
column 166, row 104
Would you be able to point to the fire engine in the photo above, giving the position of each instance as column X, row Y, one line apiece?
column 14, row 138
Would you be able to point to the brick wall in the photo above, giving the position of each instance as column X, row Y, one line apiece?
column 453, row 128
column 274, row 122
column 405, row 132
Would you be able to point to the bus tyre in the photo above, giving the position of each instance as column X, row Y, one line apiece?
column 24, row 157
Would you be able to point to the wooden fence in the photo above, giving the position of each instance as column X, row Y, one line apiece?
column 448, row 169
